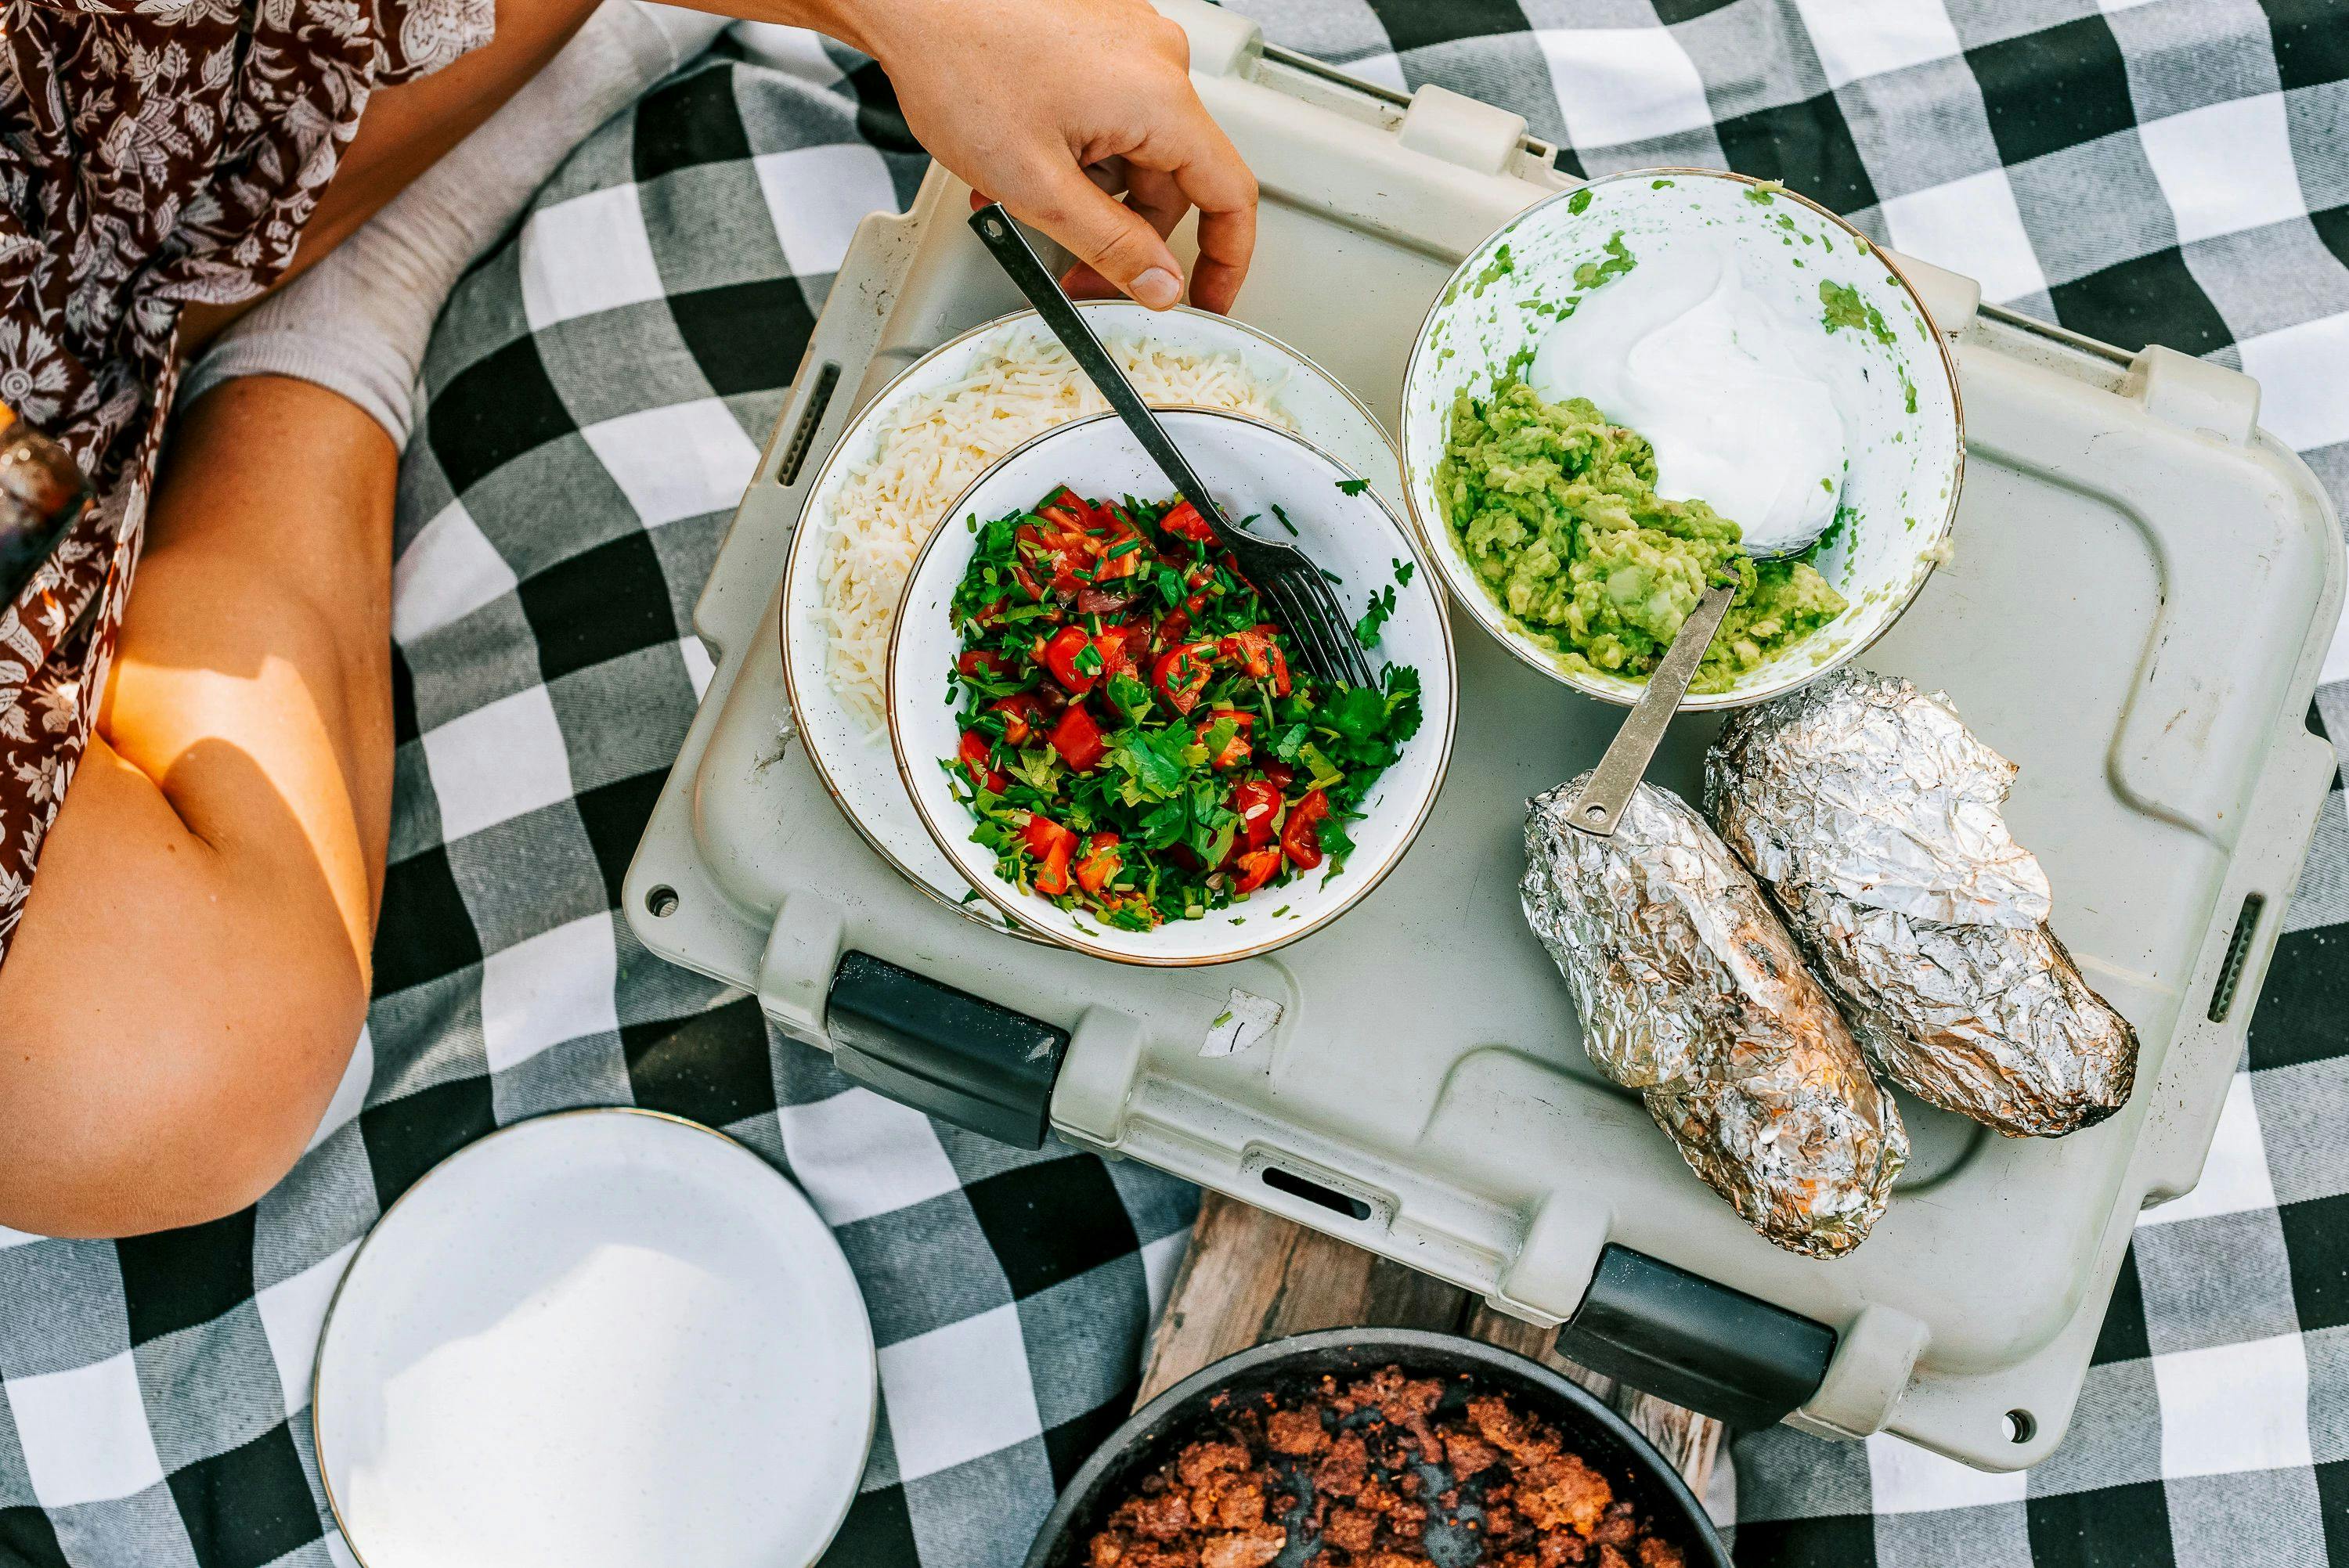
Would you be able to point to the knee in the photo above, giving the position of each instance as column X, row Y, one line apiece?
column 169, row 1139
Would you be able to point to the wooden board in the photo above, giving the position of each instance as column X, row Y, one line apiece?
column 1250, row 1276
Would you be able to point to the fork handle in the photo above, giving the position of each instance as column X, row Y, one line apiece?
column 1011, row 251
column 1601, row 805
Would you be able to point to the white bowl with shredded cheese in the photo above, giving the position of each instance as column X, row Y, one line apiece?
column 923, row 440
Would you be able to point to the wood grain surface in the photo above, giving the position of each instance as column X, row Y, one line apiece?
column 1250, row 1276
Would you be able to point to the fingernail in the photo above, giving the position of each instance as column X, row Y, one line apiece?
column 1157, row 288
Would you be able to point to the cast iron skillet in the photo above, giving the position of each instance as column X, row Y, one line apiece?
column 1159, row 1429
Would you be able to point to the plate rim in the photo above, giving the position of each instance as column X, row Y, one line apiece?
column 986, row 914
column 326, row 1326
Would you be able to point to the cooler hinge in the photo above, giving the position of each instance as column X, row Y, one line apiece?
column 952, row 1055
column 1695, row 1343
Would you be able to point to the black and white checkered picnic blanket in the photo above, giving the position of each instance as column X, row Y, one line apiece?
column 2174, row 169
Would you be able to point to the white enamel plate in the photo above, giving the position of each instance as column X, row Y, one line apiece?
column 603, row 1337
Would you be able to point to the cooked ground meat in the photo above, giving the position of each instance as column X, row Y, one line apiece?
column 1347, row 1468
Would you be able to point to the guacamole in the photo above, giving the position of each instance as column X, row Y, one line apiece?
column 1556, row 511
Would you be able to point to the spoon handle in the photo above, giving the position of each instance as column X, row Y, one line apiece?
column 1011, row 251
column 1601, row 805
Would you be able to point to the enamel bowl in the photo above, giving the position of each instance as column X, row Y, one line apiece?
column 1249, row 466
column 1898, row 390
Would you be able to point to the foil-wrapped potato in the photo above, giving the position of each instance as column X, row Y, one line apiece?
column 1691, row 991
column 1873, row 816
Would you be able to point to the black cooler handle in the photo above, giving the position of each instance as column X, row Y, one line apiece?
column 957, row 1057
column 1703, row 1345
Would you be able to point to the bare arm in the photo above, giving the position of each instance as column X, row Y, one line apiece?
column 191, row 967
column 1050, row 105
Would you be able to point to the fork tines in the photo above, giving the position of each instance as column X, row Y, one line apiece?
column 1312, row 616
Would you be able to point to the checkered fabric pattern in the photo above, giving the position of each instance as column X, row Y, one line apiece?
column 2170, row 171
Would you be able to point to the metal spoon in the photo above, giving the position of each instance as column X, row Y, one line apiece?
column 1601, row 805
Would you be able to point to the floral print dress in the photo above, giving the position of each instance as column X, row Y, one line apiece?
column 152, row 153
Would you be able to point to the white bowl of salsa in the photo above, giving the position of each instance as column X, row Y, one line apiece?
column 1152, row 702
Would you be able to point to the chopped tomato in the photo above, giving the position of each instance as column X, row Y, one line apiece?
column 1183, row 521
column 1066, row 510
column 1174, row 628
column 1300, row 835
column 1258, row 806
column 1078, row 738
column 1100, row 863
column 1052, row 844
column 1023, row 714
column 975, row 753
column 1027, row 583
column 1064, row 552
column 1123, row 549
column 990, row 614
column 1255, row 868
column 1280, row 775
column 1122, row 649
column 1182, row 673
column 1235, row 750
column 1059, row 657
column 983, row 663
column 1256, row 650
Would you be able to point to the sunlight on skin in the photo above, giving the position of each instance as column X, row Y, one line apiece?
column 159, row 716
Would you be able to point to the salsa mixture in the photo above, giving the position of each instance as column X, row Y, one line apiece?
column 1388, row 1471
column 1136, row 743
column 1557, row 511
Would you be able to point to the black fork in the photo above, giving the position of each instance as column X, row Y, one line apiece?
column 1297, row 590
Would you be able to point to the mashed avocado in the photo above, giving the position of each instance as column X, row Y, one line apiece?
column 1556, row 511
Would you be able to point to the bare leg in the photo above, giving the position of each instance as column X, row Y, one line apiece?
column 191, row 967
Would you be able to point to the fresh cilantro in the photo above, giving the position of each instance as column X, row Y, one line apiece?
column 1324, row 774
column 1383, row 603
column 1353, row 487
column 1129, row 696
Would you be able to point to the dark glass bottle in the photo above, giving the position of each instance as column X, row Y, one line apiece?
column 41, row 492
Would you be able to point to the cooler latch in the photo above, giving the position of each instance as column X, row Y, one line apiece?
column 1459, row 130
column 1695, row 1343
column 956, row 1057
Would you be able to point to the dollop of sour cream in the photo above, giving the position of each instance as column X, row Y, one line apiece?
column 1680, row 351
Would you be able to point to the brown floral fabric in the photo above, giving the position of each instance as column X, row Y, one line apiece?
column 152, row 153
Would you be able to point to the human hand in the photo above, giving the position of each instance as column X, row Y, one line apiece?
column 1051, row 107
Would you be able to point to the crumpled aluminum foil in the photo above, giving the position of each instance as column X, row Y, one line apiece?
column 1873, row 816
column 1691, row 991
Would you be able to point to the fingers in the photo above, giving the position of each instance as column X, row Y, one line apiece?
column 1117, row 241
column 1216, row 180
column 1150, row 193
